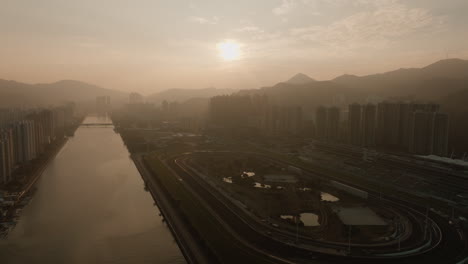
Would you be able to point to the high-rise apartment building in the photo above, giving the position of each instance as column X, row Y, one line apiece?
column 369, row 115
column 406, row 120
column 295, row 117
column 333, row 124
column 25, row 135
column 354, row 122
column 422, row 133
column 6, row 159
column 441, row 129
column 4, row 175
column 321, row 123
column 388, row 124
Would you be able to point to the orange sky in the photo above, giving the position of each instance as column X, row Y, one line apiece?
column 155, row 45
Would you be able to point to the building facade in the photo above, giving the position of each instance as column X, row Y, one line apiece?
column 369, row 114
column 354, row 122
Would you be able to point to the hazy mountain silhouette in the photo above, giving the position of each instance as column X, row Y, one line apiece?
column 456, row 101
column 430, row 83
column 307, row 95
column 182, row 95
column 300, row 78
column 15, row 93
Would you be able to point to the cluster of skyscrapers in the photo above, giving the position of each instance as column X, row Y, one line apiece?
column 281, row 120
column 411, row 127
column 255, row 112
column 417, row 128
column 25, row 135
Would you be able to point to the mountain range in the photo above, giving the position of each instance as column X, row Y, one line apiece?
column 435, row 82
column 428, row 83
column 19, row 94
column 300, row 78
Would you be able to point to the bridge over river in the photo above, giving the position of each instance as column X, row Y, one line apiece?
column 97, row 124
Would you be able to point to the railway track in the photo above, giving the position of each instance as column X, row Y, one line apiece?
column 237, row 220
column 447, row 183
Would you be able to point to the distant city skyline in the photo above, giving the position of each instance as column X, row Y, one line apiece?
column 159, row 45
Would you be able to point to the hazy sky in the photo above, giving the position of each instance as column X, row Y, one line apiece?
column 150, row 45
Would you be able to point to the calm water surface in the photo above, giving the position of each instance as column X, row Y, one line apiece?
column 91, row 207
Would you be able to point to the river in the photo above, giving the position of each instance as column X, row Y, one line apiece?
column 91, row 207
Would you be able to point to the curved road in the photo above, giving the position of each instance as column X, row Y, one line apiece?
column 270, row 245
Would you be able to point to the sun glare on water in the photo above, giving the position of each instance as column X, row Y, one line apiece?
column 229, row 50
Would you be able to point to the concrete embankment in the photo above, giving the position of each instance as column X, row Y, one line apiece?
column 189, row 243
column 40, row 168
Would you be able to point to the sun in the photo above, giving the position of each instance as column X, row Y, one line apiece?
column 229, row 50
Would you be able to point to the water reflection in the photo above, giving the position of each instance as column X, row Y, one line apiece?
column 261, row 185
column 287, row 217
column 309, row 219
column 91, row 207
column 328, row 197
column 247, row 174
column 227, row 179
